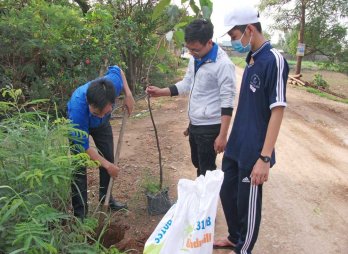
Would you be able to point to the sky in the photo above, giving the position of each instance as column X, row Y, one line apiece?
column 220, row 7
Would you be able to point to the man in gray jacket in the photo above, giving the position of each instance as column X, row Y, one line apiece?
column 210, row 83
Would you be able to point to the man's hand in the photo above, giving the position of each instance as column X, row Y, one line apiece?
column 260, row 172
column 155, row 91
column 220, row 144
column 129, row 103
column 112, row 170
column 186, row 132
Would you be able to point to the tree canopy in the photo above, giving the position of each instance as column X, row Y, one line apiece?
column 49, row 47
column 325, row 31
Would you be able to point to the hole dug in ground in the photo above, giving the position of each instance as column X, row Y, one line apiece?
column 115, row 235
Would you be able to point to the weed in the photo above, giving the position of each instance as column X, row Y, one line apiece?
column 320, row 82
column 150, row 184
column 152, row 187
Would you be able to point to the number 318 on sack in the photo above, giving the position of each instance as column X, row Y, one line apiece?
column 201, row 225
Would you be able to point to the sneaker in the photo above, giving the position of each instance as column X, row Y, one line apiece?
column 116, row 206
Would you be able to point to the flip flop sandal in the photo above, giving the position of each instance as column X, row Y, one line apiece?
column 226, row 247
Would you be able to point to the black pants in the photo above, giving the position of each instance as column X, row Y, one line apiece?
column 241, row 203
column 202, row 138
column 103, row 140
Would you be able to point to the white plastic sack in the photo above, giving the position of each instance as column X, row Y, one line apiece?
column 188, row 226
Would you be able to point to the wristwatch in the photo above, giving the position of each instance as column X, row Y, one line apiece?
column 265, row 159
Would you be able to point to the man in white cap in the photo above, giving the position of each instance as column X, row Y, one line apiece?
column 249, row 153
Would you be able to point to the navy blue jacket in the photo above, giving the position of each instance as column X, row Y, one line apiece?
column 263, row 88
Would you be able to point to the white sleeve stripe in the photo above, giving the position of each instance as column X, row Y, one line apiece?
column 277, row 85
column 277, row 104
column 280, row 81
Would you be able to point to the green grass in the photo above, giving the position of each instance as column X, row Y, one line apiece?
column 326, row 95
column 308, row 65
column 239, row 61
column 316, row 66
column 141, row 115
column 305, row 65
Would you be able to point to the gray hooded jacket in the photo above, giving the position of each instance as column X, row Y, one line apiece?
column 212, row 88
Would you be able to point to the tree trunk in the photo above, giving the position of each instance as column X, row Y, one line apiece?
column 83, row 5
column 131, row 72
column 301, row 34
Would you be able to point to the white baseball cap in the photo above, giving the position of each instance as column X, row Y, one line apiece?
column 240, row 15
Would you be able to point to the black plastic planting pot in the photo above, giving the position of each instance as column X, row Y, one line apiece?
column 158, row 203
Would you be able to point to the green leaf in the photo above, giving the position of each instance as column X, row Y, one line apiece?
column 45, row 213
column 30, row 235
column 18, row 92
column 207, row 3
column 179, row 37
column 18, row 251
column 173, row 13
column 206, row 12
column 55, row 179
column 159, row 8
column 194, row 7
column 180, row 25
column 31, row 126
column 13, row 206
column 6, row 105
column 162, row 68
column 34, row 102
column 153, row 248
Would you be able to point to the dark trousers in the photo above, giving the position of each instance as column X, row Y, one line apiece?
column 103, row 140
column 241, row 203
column 202, row 138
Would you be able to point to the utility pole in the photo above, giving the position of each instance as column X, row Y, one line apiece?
column 301, row 36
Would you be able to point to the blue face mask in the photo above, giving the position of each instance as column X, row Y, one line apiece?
column 238, row 46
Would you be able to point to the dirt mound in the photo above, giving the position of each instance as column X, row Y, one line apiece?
column 121, row 234
column 131, row 245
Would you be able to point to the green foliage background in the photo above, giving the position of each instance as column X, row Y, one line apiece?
column 48, row 48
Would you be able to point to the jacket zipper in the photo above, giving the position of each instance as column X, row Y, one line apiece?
column 193, row 85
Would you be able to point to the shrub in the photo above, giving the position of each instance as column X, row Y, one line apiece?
column 35, row 174
column 319, row 81
column 165, row 69
column 47, row 49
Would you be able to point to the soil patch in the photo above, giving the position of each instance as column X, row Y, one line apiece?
column 138, row 163
column 303, row 200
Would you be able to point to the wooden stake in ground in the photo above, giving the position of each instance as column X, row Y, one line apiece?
column 105, row 207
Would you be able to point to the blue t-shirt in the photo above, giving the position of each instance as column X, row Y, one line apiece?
column 78, row 110
column 263, row 88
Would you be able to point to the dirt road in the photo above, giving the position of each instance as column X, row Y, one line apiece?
column 305, row 203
